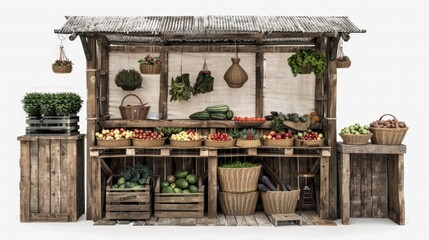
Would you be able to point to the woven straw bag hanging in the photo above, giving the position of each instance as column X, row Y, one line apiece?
column 235, row 76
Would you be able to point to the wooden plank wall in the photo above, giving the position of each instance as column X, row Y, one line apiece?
column 368, row 185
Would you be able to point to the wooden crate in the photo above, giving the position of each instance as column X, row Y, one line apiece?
column 52, row 178
column 189, row 205
column 52, row 125
column 128, row 204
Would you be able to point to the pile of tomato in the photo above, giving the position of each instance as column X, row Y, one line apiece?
column 249, row 119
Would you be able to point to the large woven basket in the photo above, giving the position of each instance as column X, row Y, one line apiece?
column 239, row 179
column 148, row 143
column 280, row 202
column 388, row 136
column 238, row 203
column 62, row 69
column 361, row 139
column 279, row 142
column 150, row 69
column 186, row 144
column 235, row 76
column 114, row 143
column 343, row 64
column 134, row 112
column 248, row 143
column 219, row 144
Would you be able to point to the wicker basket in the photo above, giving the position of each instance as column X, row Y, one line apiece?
column 239, row 179
column 388, row 136
column 186, row 144
column 235, row 76
column 150, row 69
column 309, row 143
column 238, row 203
column 343, row 64
column 306, row 70
column 114, row 143
column 356, row 139
column 134, row 112
column 280, row 202
column 149, row 143
column 62, row 69
column 219, row 144
column 248, row 143
column 279, row 142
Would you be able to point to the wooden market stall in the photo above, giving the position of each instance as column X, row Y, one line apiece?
column 263, row 42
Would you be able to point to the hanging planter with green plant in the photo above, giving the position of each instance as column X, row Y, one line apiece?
column 128, row 80
column 307, row 57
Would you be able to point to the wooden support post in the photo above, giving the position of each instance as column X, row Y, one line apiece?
column 319, row 90
column 324, row 187
column 103, row 62
column 212, row 187
column 331, row 115
column 259, row 110
column 163, row 96
column 345, row 188
column 396, row 203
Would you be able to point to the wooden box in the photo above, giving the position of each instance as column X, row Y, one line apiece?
column 52, row 125
column 52, row 178
column 188, row 205
column 128, row 203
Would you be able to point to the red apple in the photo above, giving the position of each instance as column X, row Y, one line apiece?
column 273, row 134
column 278, row 136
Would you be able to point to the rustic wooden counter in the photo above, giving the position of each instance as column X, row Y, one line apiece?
column 98, row 154
column 377, row 175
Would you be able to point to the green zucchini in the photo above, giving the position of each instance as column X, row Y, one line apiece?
column 202, row 115
column 229, row 115
column 217, row 116
column 221, row 108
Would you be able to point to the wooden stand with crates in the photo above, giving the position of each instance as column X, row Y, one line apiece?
column 52, row 178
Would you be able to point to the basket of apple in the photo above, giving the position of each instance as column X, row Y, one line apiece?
column 186, row 139
column 281, row 138
column 148, row 138
column 356, row 134
column 219, row 140
column 309, row 138
column 116, row 137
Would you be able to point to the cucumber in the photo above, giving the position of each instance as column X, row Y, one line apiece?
column 229, row 115
column 302, row 118
column 202, row 115
column 221, row 108
column 217, row 116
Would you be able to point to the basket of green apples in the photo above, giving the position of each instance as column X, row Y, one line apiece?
column 356, row 134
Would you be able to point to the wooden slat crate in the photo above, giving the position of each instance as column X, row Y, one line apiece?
column 52, row 178
column 52, row 125
column 128, row 204
column 173, row 205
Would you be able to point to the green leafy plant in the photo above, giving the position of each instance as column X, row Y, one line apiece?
column 65, row 63
column 51, row 104
column 150, row 60
column 239, row 164
column 31, row 103
column 343, row 58
column 305, row 57
column 67, row 103
column 137, row 174
column 128, row 80
column 248, row 134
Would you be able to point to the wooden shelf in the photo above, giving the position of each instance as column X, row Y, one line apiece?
column 185, row 123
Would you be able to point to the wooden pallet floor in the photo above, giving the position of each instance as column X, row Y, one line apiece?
column 257, row 219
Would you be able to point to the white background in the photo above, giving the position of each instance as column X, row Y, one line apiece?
column 386, row 76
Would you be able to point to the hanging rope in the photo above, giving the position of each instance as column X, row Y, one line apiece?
column 340, row 52
column 236, row 51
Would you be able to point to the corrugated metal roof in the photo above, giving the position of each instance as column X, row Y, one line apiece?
column 201, row 25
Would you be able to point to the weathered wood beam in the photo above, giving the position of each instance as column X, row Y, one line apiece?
column 203, row 48
column 259, row 110
column 86, row 50
column 163, row 86
column 103, row 66
column 319, row 90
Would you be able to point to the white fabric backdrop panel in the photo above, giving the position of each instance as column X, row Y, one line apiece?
column 148, row 93
column 282, row 91
column 240, row 100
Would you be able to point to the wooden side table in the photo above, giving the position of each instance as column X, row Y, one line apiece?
column 392, row 167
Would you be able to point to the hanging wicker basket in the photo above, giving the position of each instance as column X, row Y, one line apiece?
column 306, row 69
column 235, row 76
column 150, row 69
column 343, row 64
column 134, row 112
column 62, row 69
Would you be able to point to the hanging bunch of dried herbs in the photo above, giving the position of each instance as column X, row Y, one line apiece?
column 204, row 83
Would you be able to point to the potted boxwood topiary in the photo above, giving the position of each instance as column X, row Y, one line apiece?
column 305, row 59
column 31, row 103
column 128, row 80
column 67, row 104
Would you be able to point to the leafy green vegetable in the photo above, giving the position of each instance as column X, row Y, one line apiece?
column 304, row 57
column 138, row 174
column 239, row 164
